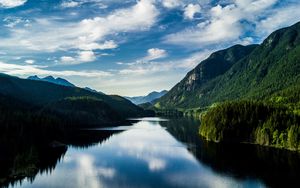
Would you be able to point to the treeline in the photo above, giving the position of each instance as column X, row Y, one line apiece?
column 71, row 112
column 256, row 122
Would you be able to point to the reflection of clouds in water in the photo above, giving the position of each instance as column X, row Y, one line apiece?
column 88, row 174
column 207, row 179
column 152, row 119
column 151, row 143
column 145, row 153
column 106, row 172
column 156, row 164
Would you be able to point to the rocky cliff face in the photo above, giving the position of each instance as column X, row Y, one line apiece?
column 240, row 72
column 218, row 63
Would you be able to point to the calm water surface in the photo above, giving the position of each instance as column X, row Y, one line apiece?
column 156, row 152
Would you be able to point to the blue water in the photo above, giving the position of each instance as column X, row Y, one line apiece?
column 145, row 154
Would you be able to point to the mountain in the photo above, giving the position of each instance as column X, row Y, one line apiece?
column 148, row 98
column 93, row 90
column 240, row 72
column 51, row 79
column 246, row 94
column 32, row 99
column 60, row 81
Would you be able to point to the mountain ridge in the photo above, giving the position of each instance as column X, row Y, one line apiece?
column 39, row 95
column 51, row 79
column 149, row 98
column 263, row 71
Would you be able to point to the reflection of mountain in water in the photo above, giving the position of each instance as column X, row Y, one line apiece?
column 25, row 154
column 275, row 167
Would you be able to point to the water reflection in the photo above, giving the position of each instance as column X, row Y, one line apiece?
column 274, row 167
column 148, row 154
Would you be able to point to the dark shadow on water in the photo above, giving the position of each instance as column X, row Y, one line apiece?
column 274, row 167
column 25, row 153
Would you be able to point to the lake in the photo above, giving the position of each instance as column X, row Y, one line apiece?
column 152, row 152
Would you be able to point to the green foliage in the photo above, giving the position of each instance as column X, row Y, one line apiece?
column 254, row 122
column 264, row 82
column 38, row 103
column 186, row 94
column 40, row 94
column 250, row 72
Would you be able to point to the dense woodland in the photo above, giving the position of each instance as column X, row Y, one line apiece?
column 252, row 122
column 261, row 71
column 31, row 103
column 274, row 121
column 253, row 97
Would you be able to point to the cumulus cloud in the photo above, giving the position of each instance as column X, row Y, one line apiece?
column 86, row 56
column 11, row 3
column 187, row 63
column 82, row 57
column 223, row 27
column 67, row 60
column 70, row 4
column 279, row 18
column 155, row 53
column 171, row 3
column 88, row 34
column 152, row 54
column 223, row 24
column 190, row 10
column 254, row 6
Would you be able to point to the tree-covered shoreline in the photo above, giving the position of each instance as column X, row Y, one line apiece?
column 252, row 122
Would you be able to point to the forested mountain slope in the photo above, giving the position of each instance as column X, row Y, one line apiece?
column 251, row 72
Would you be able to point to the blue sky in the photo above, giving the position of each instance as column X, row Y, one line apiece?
column 129, row 47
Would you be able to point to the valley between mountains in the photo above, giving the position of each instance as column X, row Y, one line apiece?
column 241, row 94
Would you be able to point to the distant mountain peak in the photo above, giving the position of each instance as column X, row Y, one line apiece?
column 35, row 77
column 148, row 98
column 60, row 81
column 51, row 79
column 240, row 72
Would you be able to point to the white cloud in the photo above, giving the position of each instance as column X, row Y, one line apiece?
column 223, row 25
column 150, row 67
column 88, row 34
column 152, row 54
column 30, row 61
column 11, row 3
column 190, row 10
column 279, row 18
column 254, row 5
column 156, row 164
column 155, row 53
column 27, row 70
column 194, row 59
column 12, row 22
column 67, row 59
column 70, row 4
column 86, row 56
column 94, row 45
column 171, row 3
column 82, row 57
